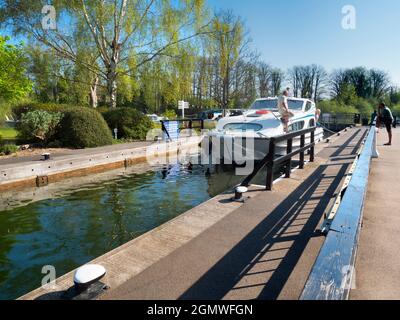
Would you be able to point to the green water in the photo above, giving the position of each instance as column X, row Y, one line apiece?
column 81, row 223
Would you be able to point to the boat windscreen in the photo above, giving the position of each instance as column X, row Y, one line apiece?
column 265, row 104
column 295, row 104
column 272, row 104
column 243, row 127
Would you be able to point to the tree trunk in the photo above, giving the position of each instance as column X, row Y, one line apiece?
column 93, row 93
column 112, row 86
column 112, row 77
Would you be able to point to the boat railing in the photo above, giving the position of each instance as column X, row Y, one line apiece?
column 271, row 162
column 332, row 275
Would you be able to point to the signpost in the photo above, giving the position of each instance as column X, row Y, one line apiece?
column 182, row 105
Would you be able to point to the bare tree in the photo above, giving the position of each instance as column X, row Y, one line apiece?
column 320, row 82
column 379, row 82
column 308, row 81
column 277, row 77
column 264, row 73
column 294, row 78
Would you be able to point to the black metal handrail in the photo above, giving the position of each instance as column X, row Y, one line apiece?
column 271, row 162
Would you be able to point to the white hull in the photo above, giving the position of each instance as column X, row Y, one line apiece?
column 236, row 149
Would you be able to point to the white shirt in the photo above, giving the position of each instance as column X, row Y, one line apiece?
column 283, row 105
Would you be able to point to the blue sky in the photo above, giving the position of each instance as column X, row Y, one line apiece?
column 299, row 32
column 292, row 32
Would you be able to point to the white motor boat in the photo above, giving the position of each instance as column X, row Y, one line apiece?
column 246, row 137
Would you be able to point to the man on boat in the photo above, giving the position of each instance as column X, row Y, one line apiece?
column 283, row 109
column 385, row 117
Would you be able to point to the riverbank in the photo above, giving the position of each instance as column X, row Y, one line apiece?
column 17, row 173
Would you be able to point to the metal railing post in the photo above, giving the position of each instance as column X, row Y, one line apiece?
column 270, row 165
column 312, row 149
column 271, row 162
column 288, row 168
column 302, row 144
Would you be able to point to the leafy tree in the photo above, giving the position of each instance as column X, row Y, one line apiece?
column 170, row 114
column 226, row 40
column 347, row 94
column 14, row 84
column 125, row 34
column 368, row 84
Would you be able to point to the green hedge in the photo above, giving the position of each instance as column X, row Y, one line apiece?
column 80, row 127
column 131, row 124
column 8, row 149
column 38, row 125
column 20, row 109
column 84, row 128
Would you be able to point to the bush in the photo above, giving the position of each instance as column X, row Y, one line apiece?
column 170, row 114
column 8, row 149
column 396, row 109
column 20, row 109
column 84, row 128
column 333, row 106
column 38, row 125
column 103, row 109
column 131, row 124
column 364, row 106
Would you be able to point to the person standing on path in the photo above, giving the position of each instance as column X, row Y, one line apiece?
column 386, row 117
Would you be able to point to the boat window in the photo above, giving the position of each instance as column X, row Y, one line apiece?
column 295, row 104
column 308, row 106
column 265, row 104
column 296, row 126
column 272, row 104
column 242, row 127
column 312, row 123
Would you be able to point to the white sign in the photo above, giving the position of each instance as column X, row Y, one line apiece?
column 182, row 105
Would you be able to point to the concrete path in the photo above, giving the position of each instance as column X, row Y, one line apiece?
column 263, row 250
column 378, row 259
column 62, row 155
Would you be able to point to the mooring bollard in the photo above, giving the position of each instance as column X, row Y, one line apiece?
column 375, row 153
column 87, row 275
column 46, row 156
column 239, row 192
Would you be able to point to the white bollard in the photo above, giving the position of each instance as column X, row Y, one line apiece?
column 375, row 153
column 87, row 275
column 239, row 192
